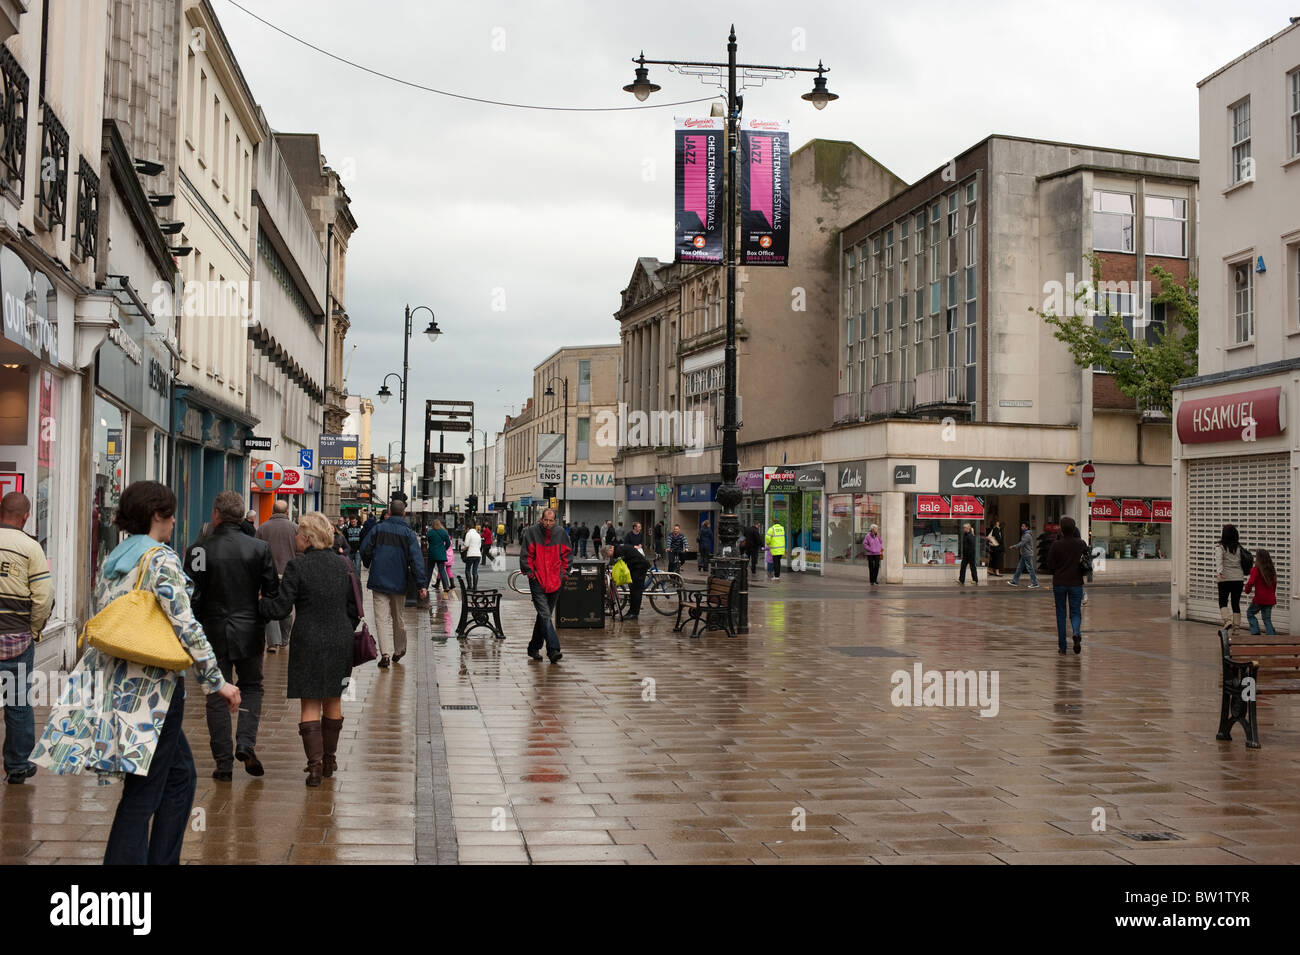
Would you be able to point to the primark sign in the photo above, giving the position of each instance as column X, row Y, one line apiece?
column 983, row 477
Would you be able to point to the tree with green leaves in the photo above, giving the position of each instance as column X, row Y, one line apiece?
column 1144, row 371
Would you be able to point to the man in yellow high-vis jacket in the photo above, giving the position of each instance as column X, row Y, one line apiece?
column 775, row 540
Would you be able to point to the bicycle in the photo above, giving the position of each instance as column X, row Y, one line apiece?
column 663, row 589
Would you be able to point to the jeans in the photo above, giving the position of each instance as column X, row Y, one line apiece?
column 1264, row 610
column 166, row 796
column 1026, row 564
column 1074, row 595
column 582, row 547
column 356, row 564
column 873, row 562
column 544, row 626
column 20, row 723
column 440, row 568
column 218, row 713
column 471, row 572
column 965, row 562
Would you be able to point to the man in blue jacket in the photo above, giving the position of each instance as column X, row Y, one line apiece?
column 391, row 551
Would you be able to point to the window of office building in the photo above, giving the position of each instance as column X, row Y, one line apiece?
column 1108, row 305
column 584, row 439
column 1166, row 226
column 1112, row 221
column 1242, row 166
column 584, row 379
column 1293, row 105
column 1243, row 301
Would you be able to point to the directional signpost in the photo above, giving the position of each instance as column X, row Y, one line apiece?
column 446, row 457
column 444, row 416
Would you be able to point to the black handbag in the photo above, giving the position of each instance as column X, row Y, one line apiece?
column 1085, row 562
column 1247, row 559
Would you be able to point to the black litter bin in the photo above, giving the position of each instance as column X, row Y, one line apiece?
column 582, row 596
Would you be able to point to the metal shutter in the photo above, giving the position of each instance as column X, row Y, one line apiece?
column 1253, row 493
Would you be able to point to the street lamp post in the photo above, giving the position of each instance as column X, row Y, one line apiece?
column 729, row 495
column 564, row 471
column 433, row 331
column 473, row 431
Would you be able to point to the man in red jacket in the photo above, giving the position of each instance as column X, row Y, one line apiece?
column 544, row 558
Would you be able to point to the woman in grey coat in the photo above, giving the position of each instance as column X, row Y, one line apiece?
column 317, row 585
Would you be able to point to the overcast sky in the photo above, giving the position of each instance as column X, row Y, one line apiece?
column 462, row 206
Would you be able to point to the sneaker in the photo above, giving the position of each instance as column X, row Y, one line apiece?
column 1085, row 600
column 384, row 661
column 1078, row 644
column 1033, row 586
column 1012, row 583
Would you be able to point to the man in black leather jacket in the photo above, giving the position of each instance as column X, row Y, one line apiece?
column 229, row 569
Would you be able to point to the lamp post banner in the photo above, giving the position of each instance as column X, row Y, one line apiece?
column 765, row 193
column 697, row 213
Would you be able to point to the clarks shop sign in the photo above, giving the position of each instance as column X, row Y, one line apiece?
column 985, row 477
column 1244, row 416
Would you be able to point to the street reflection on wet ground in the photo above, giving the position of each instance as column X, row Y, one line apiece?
column 786, row 745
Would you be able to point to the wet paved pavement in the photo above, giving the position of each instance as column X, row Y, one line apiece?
column 781, row 747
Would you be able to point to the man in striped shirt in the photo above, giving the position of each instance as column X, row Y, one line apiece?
column 26, row 598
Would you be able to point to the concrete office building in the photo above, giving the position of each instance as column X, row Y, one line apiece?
column 1236, row 450
column 672, row 328
column 956, row 402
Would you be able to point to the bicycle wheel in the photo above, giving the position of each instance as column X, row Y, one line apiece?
column 664, row 595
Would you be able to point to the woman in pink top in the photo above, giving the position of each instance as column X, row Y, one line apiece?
column 1262, row 585
column 874, row 547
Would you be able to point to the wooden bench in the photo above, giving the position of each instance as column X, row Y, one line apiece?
column 1279, row 657
column 483, row 607
column 713, row 608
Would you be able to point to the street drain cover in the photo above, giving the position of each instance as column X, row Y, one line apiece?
column 1153, row 836
column 460, row 706
column 869, row 652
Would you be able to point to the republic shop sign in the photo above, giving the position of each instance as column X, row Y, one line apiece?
column 1241, row 416
column 1133, row 510
column 944, row 506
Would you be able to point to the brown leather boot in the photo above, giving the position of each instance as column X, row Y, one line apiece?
column 329, row 731
column 314, row 746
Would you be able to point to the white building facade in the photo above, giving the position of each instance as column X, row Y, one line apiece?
column 1236, row 444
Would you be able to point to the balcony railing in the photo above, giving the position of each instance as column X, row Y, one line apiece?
column 848, row 407
column 889, row 397
column 13, row 123
column 52, row 199
column 85, row 240
column 941, row 386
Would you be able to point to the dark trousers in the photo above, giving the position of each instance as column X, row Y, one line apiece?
column 471, row 572
column 20, row 723
column 974, row 576
column 776, row 566
column 218, row 713
column 582, row 547
column 1231, row 589
column 544, row 625
column 873, row 563
column 440, row 568
column 165, row 796
column 634, row 591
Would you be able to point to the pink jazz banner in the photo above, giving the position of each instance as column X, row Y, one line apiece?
column 765, row 193
column 698, row 212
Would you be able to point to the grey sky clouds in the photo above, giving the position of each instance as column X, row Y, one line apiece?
column 455, row 200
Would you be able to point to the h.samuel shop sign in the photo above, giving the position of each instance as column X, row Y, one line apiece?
column 1242, row 416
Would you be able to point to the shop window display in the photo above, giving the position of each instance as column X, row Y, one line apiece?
column 849, row 517
column 1132, row 528
column 934, row 526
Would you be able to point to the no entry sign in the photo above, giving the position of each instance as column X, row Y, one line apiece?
column 1088, row 474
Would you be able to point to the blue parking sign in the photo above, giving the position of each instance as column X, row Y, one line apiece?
column 305, row 456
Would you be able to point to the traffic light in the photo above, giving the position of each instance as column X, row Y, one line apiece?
column 471, row 503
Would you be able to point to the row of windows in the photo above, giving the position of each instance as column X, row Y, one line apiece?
column 275, row 265
column 519, row 447
column 1241, row 165
column 221, row 149
column 1165, row 225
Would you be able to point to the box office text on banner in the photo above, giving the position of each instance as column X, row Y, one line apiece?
column 697, row 160
column 765, row 193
